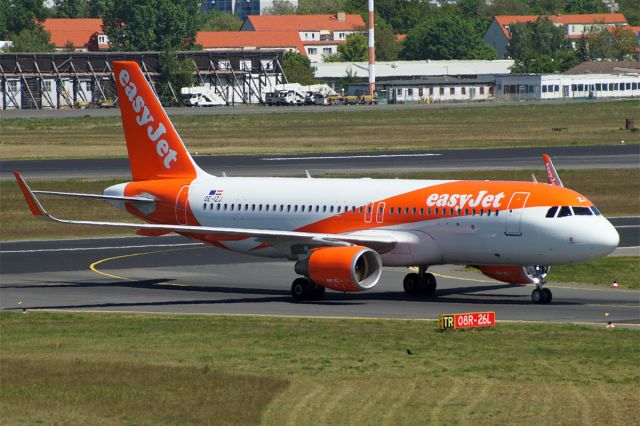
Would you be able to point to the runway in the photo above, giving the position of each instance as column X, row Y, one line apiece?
column 568, row 157
column 176, row 275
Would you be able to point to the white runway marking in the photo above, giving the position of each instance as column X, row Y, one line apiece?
column 349, row 157
column 627, row 226
column 99, row 248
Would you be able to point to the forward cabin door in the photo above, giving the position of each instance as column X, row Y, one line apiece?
column 182, row 205
column 514, row 213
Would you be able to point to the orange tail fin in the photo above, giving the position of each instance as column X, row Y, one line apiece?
column 155, row 149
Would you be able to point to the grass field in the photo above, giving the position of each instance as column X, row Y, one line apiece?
column 625, row 270
column 602, row 186
column 323, row 130
column 128, row 369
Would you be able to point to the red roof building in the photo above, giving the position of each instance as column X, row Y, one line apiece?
column 320, row 34
column 83, row 34
column 249, row 40
column 574, row 26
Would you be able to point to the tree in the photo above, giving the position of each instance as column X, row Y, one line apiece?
column 280, row 7
column 355, row 49
column 220, row 21
column 470, row 8
column 71, row 8
column 152, row 25
column 446, row 37
column 584, row 6
column 18, row 15
column 311, row 7
column 631, row 11
column 387, row 47
column 506, row 7
column 540, row 47
column 616, row 44
column 298, row 68
column 97, row 8
column 174, row 75
column 32, row 40
column 545, row 7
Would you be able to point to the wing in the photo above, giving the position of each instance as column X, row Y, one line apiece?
column 381, row 243
column 96, row 196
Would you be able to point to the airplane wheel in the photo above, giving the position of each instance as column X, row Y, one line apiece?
column 537, row 296
column 318, row 291
column 300, row 289
column 411, row 283
column 546, row 295
column 430, row 284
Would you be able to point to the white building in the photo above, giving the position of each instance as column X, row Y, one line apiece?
column 562, row 86
column 412, row 69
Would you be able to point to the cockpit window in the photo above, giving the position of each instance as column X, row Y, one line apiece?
column 565, row 211
column 552, row 211
column 582, row 211
column 595, row 210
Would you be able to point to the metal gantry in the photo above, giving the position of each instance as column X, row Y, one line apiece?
column 86, row 79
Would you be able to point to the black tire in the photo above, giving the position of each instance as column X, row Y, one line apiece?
column 299, row 289
column 318, row 292
column 547, row 296
column 411, row 283
column 430, row 284
column 537, row 296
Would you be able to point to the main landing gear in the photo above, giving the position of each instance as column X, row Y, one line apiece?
column 305, row 289
column 540, row 294
column 421, row 283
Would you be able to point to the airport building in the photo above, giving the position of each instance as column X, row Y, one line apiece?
column 85, row 79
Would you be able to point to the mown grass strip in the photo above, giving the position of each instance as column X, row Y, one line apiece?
column 625, row 270
column 324, row 130
column 185, row 369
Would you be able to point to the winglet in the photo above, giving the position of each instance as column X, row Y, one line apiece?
column 552, row 174
column 32, row 201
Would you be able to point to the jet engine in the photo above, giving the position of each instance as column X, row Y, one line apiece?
column 349, row 268
column 532, row 274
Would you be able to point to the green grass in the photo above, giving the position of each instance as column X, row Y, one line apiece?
column 324, row 130
column 139, row 369
column 602, row 186
column 625, row 270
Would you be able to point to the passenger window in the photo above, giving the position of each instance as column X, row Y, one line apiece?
column 360, row 209
column 435, row 212
column 281, row 207
column 368, row 209
column 391, row 210
column 295, row 208
column 211, row 206
column 317, row 209
column 414, row 210
column 232, row 206
column 406, row 210
column 338, row 209
column 481, row 212
column 246, row 207
column 582, row 211
column 466, row 212
column 266, row 207
column 473, row 212
column 497, row 211
column 564, row 211
column 259, row 207
column 253, row 207
column 288, row 207
column 331, row 209
column 421, row 211
column 204, row 206
column 429, row 211
column 302, row 208
column 225, row 207
column 595, row 210
column 552, row 211
column 217, row 206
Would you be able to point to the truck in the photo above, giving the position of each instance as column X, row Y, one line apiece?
column 201, row 96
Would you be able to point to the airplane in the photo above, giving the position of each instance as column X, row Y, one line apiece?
column 342, row 232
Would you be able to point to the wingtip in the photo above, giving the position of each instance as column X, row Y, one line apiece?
column 31, row 200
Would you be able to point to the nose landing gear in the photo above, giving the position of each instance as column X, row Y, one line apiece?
column 421, row 283
column 541, row 294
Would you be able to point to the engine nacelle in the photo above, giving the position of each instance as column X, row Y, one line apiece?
column 532, row 274
column 349, row 268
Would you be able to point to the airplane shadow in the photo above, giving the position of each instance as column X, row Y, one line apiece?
column 471, row 295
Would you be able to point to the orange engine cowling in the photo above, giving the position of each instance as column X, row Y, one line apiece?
column 350, row 268
column 515, row 274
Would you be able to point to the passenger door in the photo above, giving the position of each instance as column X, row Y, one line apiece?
column 514, row 213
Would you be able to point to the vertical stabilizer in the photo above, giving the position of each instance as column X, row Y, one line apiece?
column 155, row 148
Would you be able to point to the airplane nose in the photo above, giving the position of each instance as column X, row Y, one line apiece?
column 606, row 239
